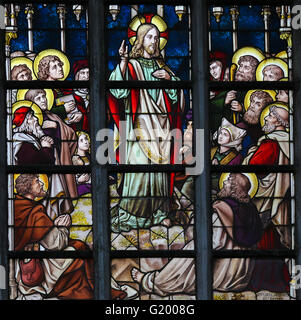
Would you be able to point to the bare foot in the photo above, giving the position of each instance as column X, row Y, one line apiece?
column 137, row 275
column 166, row 222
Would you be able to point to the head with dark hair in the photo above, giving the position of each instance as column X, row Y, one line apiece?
column 29, row 186
column 258, row 101
column 50, row 68
column 21, row 73
column 272, row 72
column 237, row 186
column 246, row 68
column 37, row 96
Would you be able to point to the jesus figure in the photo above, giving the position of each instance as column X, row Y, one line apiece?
column 151, row 113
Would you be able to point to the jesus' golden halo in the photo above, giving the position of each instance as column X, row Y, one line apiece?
column 266, row 111
column 247, row 101
column 156, row 20
column 52, row 52
column 271, row 61
column 23, row 60
column 252, row 178
column 49, row 95
column 247, row 51
column 42, row 177
column 24, row 103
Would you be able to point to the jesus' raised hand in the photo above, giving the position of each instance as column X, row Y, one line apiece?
column 124, row 51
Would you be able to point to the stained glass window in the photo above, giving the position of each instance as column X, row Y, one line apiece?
column 49, row 214
column 125, row 219
column 150, row 210
column 251, row 125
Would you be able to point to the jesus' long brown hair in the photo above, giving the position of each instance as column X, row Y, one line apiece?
column 137, row 49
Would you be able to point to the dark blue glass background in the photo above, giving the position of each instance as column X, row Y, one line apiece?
column 46, row 34
column 176, row 50
column 250, row 31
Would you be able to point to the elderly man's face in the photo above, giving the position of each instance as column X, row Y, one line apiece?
column 32, row 120
column 83, row 74
column 216, row 70
column 270, row 119
column 270, row 123
column 56, row 70
column 41, row 101
column 23, row 76
column 150, row 41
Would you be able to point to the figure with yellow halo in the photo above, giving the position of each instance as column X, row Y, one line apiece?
column 236, row 225
column 272, row 69
column 35, row 230
column 22, row 69
column 151, row 112
column 30, row 144
column 255, row 101
column 244, row 64
column 230, row 105
column 273, row 148
column 53, row 65
column 64, row 137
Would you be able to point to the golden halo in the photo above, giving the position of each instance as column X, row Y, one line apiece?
column 23, row 60
column 271, row 61
column 282, row 54
column 49, row 95
column 248, row 51
column 266, row 111
column 247, row 100
column 137, row 21
column 24, row 103
column 42, row 177
column 252, row 178
column 52, row 52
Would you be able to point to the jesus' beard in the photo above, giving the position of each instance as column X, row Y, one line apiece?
column 251, row 116
column 152, row 50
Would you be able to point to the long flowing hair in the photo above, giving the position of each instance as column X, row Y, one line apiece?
column 137, row 49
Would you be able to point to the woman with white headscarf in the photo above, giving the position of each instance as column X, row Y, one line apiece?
column 229, row 143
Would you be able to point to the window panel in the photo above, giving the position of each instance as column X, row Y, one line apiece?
column 49, row 212
column 253, row 279
column 146, row 214
column 48, row 127
column 172, row 38
column 252, row 211
column 154, row 278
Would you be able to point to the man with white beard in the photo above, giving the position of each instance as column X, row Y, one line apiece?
column 31, row 146
column 273, row 149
